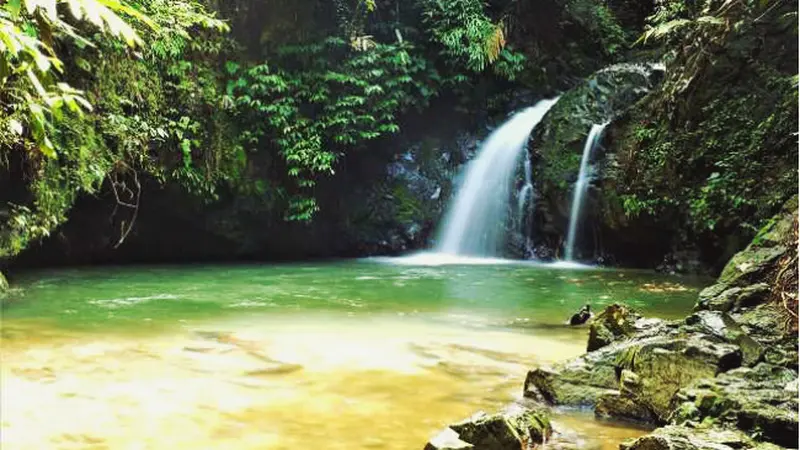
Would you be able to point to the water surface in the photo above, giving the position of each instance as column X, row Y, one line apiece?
column 341, row 355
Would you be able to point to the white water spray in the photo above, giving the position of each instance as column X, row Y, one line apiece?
column 580, row 188
column 525, row 191
column 473, row 224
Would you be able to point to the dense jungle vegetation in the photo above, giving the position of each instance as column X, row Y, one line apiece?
column 278, row 118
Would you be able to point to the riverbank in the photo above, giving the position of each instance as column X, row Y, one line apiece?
column 725, row 377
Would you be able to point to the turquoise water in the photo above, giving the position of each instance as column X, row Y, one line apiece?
column 505, row 295
column 338, row 355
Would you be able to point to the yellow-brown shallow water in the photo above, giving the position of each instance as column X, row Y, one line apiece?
column 270, row 378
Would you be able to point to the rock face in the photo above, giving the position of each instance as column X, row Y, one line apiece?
column 516, row 427
column 557, row 145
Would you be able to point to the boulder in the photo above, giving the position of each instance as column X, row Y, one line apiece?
column 743, row 282
column 3, row 284
column 722, row 297
column 724, row 327
column 655, row 368
column 514, row 428
column 615, row 322
column 685, row 438
column 755, row 400
column 620, row 406
column 618, row 322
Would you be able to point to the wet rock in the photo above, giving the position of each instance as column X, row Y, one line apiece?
column 558, row 142
column 516, row 427
column 662, row 364
column 684, row 438
column 616, row 405
column 753, row 400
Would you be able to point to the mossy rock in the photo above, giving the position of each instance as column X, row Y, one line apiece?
column 663, row 363
column 755, row 400
column 724, row 327
column 685, row 438
column 616, row 405
column 615, row 322
column 517, row 427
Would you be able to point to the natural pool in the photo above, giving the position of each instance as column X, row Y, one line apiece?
column 335, row 355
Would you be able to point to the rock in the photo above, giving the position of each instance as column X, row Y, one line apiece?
column 725, row 328
column 750, row 265
column 616, row 321
column 742, row 282
column 762, row 323
column 684, row 438
column 721, row 297
column 447, row 439
column 516, row 427
column 557, row 145
column 663, row 363
column 754, row 400
column 616, row 405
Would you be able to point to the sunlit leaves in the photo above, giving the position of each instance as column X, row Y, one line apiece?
column 469, row 37
column 341, row 99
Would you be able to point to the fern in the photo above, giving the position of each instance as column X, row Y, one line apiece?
column 468, row 37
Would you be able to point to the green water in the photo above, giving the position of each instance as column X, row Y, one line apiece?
column 504, row 295
column 336, row 355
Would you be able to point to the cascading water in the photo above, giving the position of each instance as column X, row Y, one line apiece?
column 580, row 187
column 473, row 225
column 525, row 191
column 522, row 202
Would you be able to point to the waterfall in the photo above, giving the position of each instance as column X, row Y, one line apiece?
column 474, row 221
column 522, row 201
column 580, row 187
column 525, row 191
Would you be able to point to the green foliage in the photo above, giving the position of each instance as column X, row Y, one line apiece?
column 339, row 98
column 123, row 116
column 469, row 38
column 714, row 146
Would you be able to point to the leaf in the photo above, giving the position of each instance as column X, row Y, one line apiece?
column 15, row 126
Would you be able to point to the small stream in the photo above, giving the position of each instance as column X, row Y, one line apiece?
column 336, row 355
